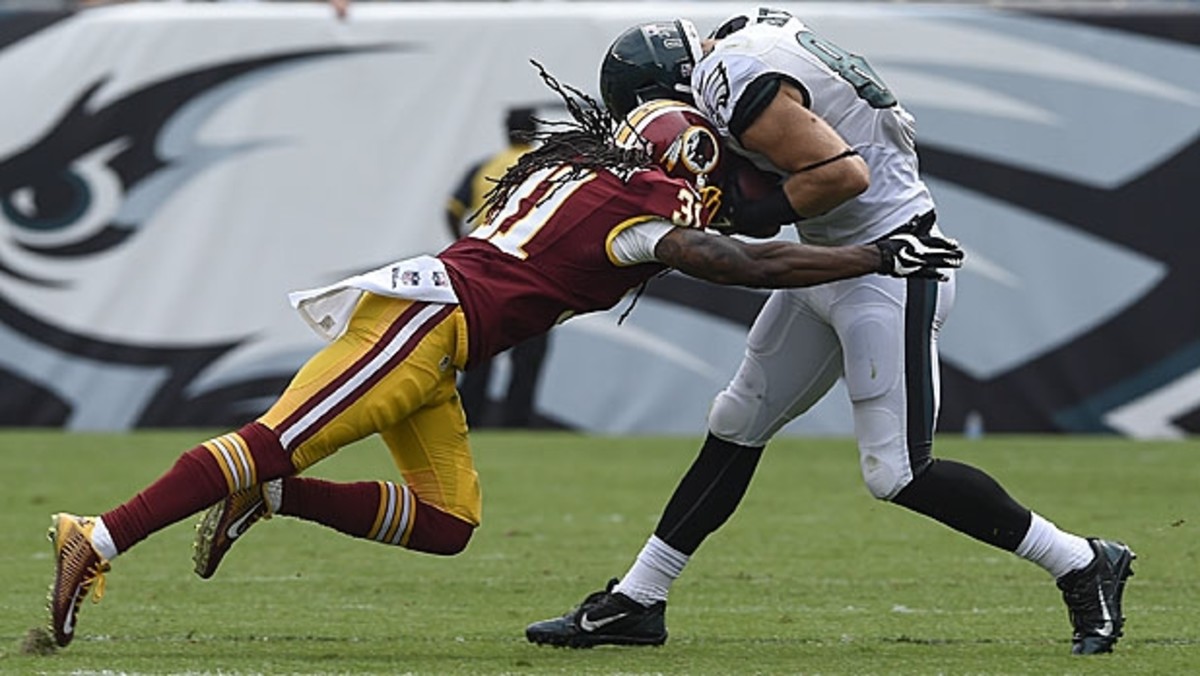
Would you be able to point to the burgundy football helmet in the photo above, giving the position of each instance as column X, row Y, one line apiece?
column 679, row 138
column 682, row 142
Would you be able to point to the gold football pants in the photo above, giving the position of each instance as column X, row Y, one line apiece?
column 393, row 372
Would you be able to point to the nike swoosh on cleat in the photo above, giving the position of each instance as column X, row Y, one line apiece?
column 68, row 626
column 238, row 527
column 1107, row 629
column 592, row 625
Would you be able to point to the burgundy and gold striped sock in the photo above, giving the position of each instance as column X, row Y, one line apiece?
column 382, row 511
column 197, row 480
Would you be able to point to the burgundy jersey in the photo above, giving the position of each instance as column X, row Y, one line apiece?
column 545, row 255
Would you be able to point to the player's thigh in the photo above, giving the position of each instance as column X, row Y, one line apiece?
column 792, row 359
column 432, row 450
column 393, row 359
column 868, row 317
column 888, row 332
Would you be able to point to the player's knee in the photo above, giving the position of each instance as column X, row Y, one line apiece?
column 883, row 479
column 883, row 456
column 437, row 532
column 449, row 543
column 736, row 413
column 731, row 418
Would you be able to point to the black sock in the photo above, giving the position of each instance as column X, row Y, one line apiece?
column 969, row 501
column 708, row 494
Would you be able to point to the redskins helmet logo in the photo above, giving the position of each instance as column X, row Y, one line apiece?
column 696, row 150
column 681, row 140
column 699, row 150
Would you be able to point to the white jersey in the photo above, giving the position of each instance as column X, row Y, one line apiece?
column 842, row 90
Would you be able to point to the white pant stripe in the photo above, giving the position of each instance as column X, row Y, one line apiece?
column 286, row 436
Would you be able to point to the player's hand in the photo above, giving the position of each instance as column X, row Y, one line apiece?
column 737, row 215
column 917, row 252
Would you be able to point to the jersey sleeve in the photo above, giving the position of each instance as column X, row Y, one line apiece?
column 635, row 243
column 662, row 197
column 724, row 81
column 657, row 203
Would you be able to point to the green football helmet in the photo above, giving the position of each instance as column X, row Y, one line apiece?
column 649, row 61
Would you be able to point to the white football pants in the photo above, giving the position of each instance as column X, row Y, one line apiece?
column 880, row 333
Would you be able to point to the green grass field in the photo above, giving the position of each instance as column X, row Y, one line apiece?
column 811, row 576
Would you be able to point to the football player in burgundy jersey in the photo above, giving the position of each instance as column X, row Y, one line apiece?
column 595, row 210
column 844, row 148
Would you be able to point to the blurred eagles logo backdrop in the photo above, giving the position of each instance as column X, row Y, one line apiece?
column 168, row 173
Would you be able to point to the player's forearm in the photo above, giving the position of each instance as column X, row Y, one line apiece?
column 726, row 260
column 784, row 264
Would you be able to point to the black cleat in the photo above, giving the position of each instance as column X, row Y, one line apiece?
column 604, row 618
column 1093, row 597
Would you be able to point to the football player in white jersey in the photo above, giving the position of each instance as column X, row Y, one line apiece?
column 822, row 120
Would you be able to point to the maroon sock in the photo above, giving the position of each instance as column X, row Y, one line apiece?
column 196, row 481
column 361, row 509
column 346, row 507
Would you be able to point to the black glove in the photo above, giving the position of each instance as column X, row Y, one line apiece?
column 760, row 218
column 912, row 251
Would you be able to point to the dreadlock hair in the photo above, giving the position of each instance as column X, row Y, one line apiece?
column 584, row 144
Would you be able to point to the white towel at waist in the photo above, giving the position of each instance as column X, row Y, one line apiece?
column 327, row 309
